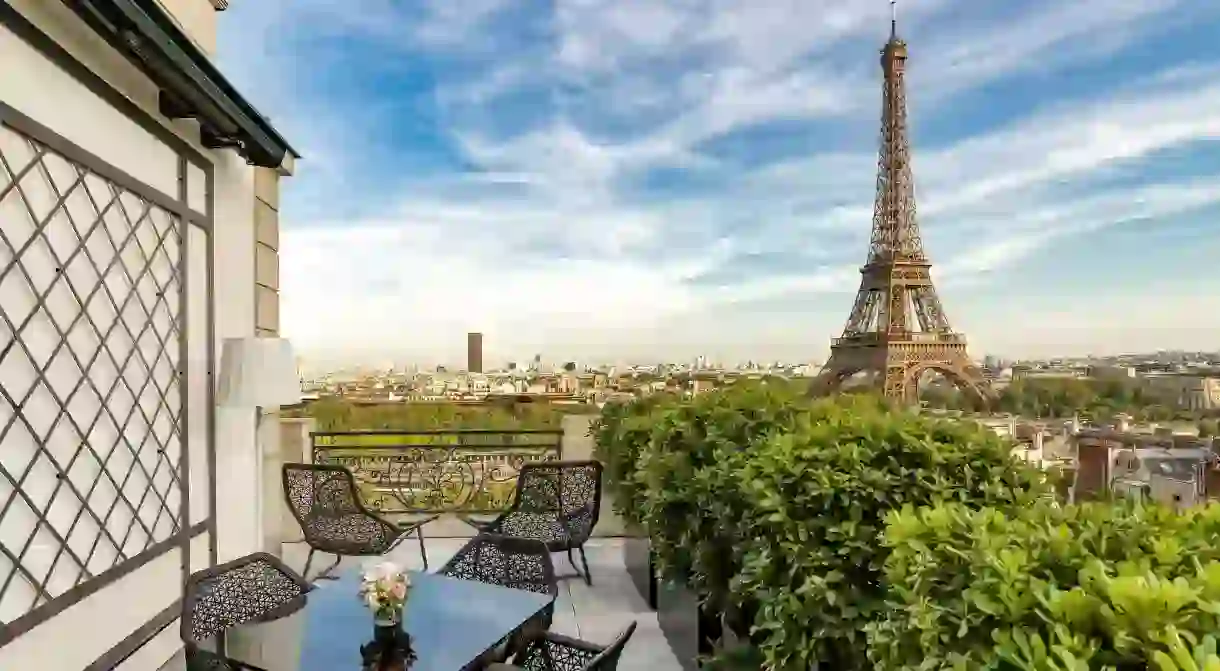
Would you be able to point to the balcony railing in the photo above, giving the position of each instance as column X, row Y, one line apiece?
column 467, row 471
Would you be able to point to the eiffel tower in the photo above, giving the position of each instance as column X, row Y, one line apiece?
column 897, row 329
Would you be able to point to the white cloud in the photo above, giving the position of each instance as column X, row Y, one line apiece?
column 454, row 23
column 1076, row 140
column 1038, row 228
column 552, row 244
column 1043, row 37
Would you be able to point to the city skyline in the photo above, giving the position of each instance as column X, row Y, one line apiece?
column 312, row 365
column 665, row 179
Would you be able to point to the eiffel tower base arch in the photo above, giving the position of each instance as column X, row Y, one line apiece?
column 898, row 368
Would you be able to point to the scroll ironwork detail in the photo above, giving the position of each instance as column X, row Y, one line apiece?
column 436, row 471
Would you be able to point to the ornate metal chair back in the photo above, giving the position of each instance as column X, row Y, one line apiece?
column 564, row 488
column 607, row 660
column 255, row 588
column 520, row 563
column 320, row 489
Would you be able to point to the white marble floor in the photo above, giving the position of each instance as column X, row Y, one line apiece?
column 594, row 613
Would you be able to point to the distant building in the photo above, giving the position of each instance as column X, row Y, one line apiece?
column 1125, row 461
column 1111, row 372
column 474, row 352
column 1187, row 390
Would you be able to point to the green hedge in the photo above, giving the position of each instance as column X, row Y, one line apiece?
column 686, row 497
column 620, row 434
column 849, row 534
column 1096, row 586
column 815, row 501
column 664, row 457
column 333, row 414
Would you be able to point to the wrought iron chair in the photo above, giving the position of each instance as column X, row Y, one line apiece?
column 556, row 652
column 255, row 588
column 519, row 563
column 556, row 502
column 325, row 502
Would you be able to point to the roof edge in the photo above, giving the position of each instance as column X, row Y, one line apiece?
column 191, row 85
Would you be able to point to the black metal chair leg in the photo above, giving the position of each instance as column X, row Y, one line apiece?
column 327, row 573
column 572, row 561
column 423, row 552
column 581, row 574
column 308, row 561
column 585, row 562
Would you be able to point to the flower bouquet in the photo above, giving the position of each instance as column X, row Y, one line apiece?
column 384, row 591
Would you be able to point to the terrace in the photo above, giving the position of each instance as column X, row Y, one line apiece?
column 406, row 474
column 595, row 613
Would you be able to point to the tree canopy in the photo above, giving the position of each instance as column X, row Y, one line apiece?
column 1065, row 397
column 340, row 415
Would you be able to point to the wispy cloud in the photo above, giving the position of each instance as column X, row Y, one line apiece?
column 602, row 177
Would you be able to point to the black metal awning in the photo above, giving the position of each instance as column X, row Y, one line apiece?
column 191, row 87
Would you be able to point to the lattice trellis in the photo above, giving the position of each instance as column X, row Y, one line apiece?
column 91, row 295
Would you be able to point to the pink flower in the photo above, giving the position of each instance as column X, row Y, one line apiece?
column 384, row 570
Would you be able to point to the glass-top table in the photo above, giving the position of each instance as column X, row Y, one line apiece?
column 451, row 622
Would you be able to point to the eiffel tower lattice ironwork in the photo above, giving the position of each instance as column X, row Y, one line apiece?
column 897, row 329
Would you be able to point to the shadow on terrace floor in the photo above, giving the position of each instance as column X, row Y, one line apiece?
column 594, row 613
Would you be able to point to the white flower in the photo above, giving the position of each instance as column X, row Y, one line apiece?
column 384, row 586
column 384, row 571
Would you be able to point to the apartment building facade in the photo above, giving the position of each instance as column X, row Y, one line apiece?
column 138, row 228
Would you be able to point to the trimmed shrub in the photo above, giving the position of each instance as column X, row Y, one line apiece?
column 620, row 434
column 1045, row 588
column 771, row 506
column 683, row 483
column 811, row 503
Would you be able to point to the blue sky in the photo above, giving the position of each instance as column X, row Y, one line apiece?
column 662, row 178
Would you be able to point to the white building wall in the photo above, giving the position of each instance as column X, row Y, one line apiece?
column 238, row 463
column 41, row 90
column 196, row 18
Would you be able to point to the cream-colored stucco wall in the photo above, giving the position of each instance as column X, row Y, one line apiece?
column 197, row 18
column 266, row 251
column 41, row 90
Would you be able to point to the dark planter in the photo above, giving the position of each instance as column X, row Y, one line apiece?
column 690, row 630
column 637, row 556
column 682, row 622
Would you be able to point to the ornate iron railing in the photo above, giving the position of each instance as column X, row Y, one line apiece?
column 469, row 471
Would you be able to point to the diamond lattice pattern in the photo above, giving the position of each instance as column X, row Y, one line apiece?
column 90, row 297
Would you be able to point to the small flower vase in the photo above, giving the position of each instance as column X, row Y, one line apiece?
column 386, row 626
column 390, row 649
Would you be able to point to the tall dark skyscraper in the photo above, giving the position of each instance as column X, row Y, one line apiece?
column 474, row 352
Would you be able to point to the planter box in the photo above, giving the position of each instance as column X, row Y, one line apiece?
column 637, row 556
column 687, row 629
column 678, row 615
